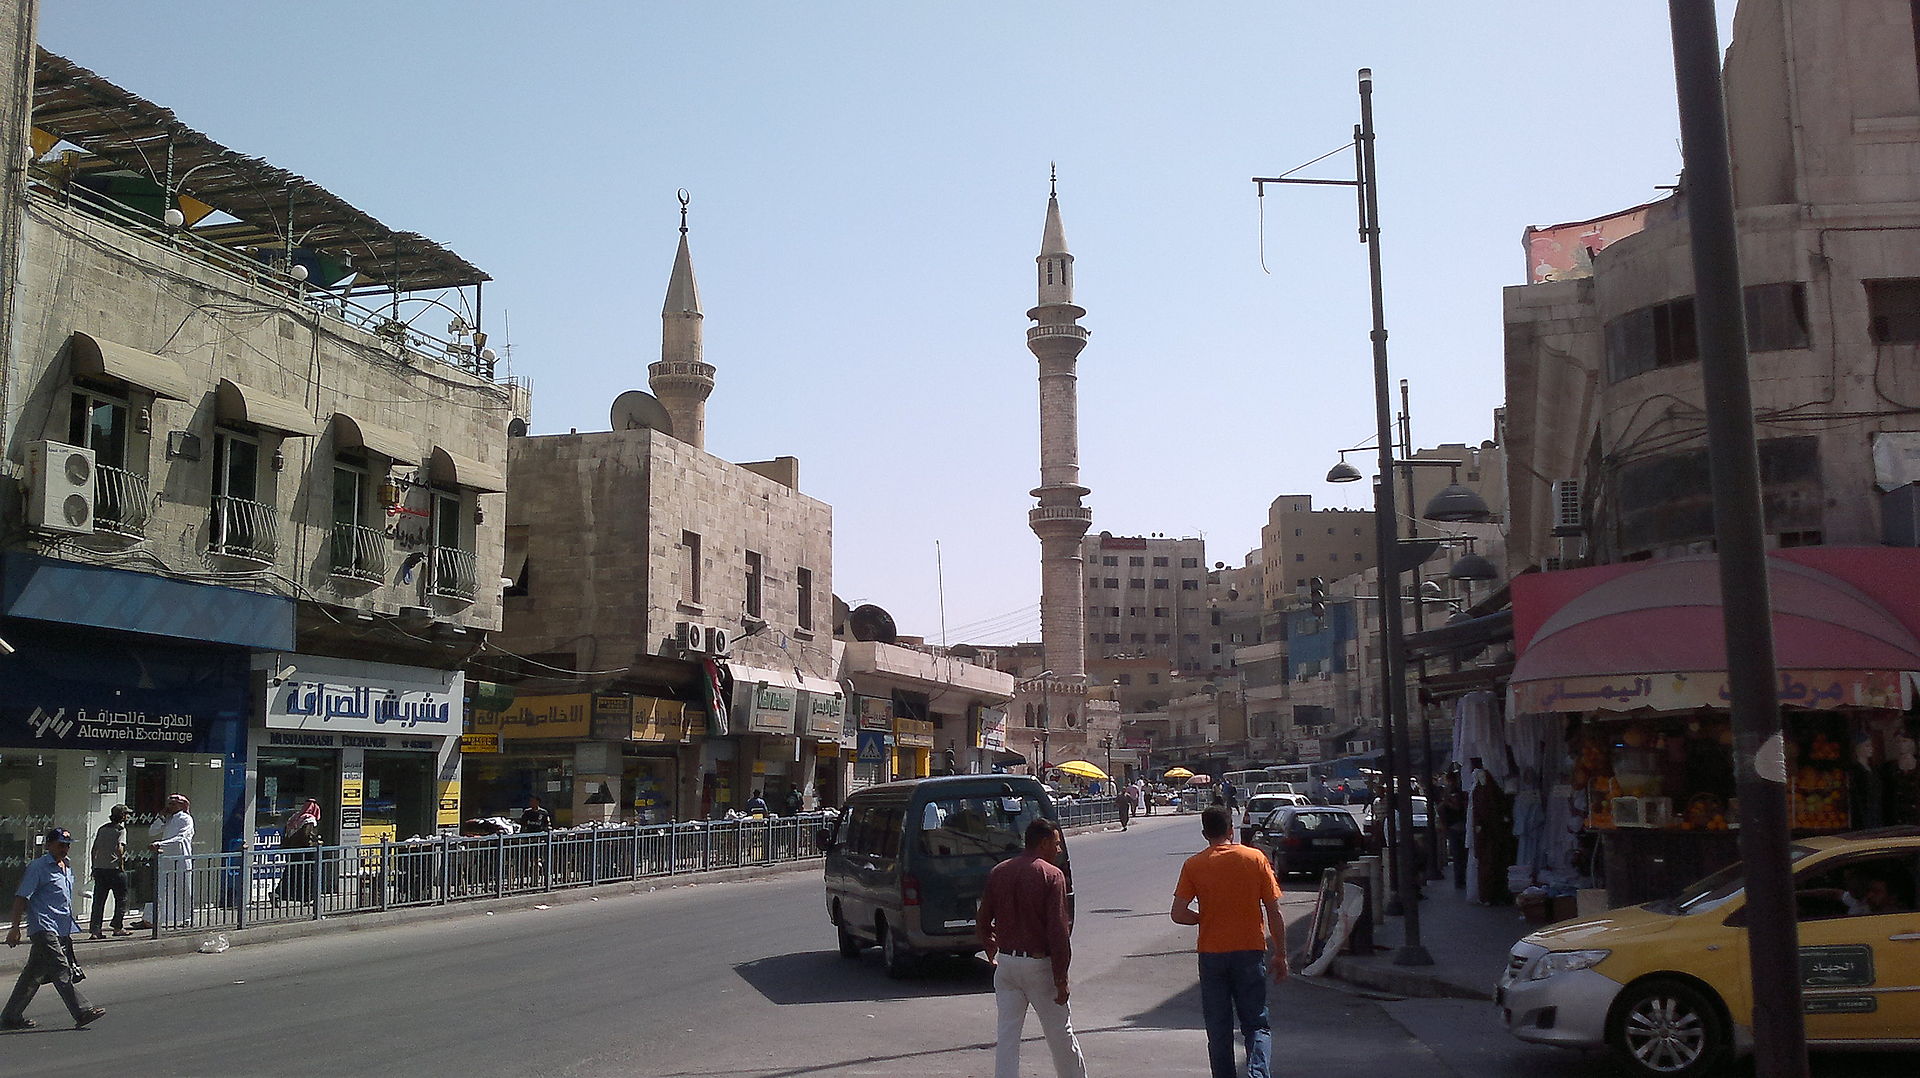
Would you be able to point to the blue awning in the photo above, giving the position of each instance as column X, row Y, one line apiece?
column 71, row 593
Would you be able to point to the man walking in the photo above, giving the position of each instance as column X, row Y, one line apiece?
column 108, row 863
column 1023, row 924
column 45, row 897
column 1235, row 887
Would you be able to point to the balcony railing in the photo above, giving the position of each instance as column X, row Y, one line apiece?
column 120, row 502
column 244, row 529
column 359, row 553
column 453, row 574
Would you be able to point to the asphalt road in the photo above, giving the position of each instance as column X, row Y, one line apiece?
column 731, row 979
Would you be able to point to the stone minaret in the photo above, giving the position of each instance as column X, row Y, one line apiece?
column 682, row 379
column 1059, row 520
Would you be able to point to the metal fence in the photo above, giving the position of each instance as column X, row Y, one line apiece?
column 231, row 891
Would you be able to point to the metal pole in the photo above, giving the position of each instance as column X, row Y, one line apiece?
column 1779, row 1030
column 1430, row 838
column 1411, row 952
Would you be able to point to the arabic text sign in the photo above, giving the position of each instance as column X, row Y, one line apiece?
column 993, row 729
column 373, row 698
column 824, row 713
column 769, row 709
column 1822, row 690
column 1847, row 966
column 568, row 716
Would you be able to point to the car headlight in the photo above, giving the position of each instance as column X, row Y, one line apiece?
column 1563, row 962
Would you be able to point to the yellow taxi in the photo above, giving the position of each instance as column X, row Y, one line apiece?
column 1666, row 985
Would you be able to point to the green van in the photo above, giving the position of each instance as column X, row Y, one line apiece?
column 907, row 863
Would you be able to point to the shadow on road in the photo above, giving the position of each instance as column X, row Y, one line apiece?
column 825, row 977
column 1178, row 1011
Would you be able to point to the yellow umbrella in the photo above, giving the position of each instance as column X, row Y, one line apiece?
column 1081, row 769
column 1178, row 773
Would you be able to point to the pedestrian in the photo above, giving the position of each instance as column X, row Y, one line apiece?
column 45, row 898
column 794, row 801
column 299, row 837
column 1123, row 800
column 756, row 805
column 107, row 862
column 1235, row 887
column 172, row 845
column 1228, row 794
column 535, row 818
column 1453, row 814
column 1025, row 927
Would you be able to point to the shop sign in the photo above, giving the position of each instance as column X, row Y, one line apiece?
column 993, row 729
column 478, row 743
column 770, row 708
column 825, row 714
column 876, row 713
column 873, row 747
column 660, row 721
column 612, row 716
column 302, row 739
column 530, row 717
column 115, row 696
column 343, row 694
column 1819, row 690
column 913, row 733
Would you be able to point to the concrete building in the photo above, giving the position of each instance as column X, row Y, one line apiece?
column 923, row 710
column 669, row 623
column 1146, row 596
column 254, row 526
column 1300, row 542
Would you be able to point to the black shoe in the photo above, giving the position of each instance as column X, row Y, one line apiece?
column 19, row 1023
column 89, row 1016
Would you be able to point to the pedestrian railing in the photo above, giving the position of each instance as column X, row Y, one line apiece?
column 250, row 888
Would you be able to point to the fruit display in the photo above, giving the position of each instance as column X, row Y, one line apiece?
column 1818, row 795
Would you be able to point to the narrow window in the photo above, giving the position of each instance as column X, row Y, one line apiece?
column 803, row 584
column 754, row 570
column 690, row 573
column 1893, row 310
column 1776, row 316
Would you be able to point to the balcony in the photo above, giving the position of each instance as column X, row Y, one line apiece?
column 245, row 530
column 453, row 574
column 120, row 503
column 358, row 553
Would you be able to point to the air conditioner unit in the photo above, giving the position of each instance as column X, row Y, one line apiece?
column 60, row 487
column 1552, row 563
column 719, row 641
column 690, row 636
column 1567, row 516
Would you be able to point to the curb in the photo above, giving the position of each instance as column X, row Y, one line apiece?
column 1381, row 975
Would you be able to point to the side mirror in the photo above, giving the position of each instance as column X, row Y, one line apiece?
column 824, row 838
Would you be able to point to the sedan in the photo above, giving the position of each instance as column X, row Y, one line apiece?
column 1308, row 839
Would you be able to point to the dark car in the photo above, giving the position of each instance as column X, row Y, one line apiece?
column 1308, row 838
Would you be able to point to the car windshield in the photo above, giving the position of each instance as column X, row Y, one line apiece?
column 1716, row 890
column 1324, row 822
column 970, row 826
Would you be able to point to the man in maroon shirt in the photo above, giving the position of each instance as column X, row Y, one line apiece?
column 1023, row 924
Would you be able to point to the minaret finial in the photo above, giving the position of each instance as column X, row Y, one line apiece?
column 1053, row 179
column 684, row 199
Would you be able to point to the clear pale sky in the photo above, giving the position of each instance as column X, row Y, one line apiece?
column 869, row 183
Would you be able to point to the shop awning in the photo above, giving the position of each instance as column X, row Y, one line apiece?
column 446, row 466
column 1650, row 636
column 755, row 675
column 351, row 433
column 102, row 358
column 239, row 404
column 819, row 686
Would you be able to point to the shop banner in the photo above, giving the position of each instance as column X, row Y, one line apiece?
column 876, row 714
column 539, row 717
column 479, row 743
column 662, row 721
column 1820, row 690
column 769, row 708
column 825, row 713
column 106, row 693
column 913, row 733
column 327, row 694
column 993, row 729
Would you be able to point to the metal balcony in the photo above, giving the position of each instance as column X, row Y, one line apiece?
column 453, row 574
column 245, row 530
column 358, row 553
column 120, row 503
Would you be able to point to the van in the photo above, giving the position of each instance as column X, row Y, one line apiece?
column 908, row 861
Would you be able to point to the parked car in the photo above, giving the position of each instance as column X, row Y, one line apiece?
column 1260, row 804
column 1667, row 986
column 908, row 861
column 1307, row 838
column 1280, row 788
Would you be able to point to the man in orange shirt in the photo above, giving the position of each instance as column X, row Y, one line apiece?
column 1235, row 886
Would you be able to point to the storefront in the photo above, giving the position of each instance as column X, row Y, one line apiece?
column 374, row 743
column 823, row 711
column 766, row 706
column 912, row 748
column 873, row 757
column 651, row 733
column 535, row 743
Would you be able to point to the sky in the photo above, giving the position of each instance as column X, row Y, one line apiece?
column 868, row 186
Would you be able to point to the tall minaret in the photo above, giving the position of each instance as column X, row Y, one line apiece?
column 1059, row 520
column 682, row 379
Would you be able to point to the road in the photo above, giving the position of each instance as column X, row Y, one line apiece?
column 735, row 979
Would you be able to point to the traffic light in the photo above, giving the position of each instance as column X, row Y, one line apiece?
column 1317, row 597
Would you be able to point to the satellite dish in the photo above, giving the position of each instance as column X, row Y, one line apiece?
column 639, row 410
column 869, row 622
column 964, row 651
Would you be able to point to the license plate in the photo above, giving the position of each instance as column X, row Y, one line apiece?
column 1328, row 842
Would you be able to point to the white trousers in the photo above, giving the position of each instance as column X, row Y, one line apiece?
column 1019, row 983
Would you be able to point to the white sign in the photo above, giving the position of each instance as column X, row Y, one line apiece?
column 1896, row 459
column 344, row 695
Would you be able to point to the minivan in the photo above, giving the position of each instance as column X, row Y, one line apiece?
column 908, row 861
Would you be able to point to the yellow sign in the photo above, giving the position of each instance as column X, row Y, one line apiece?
column 470, row 743
column 659, row 720
column 350, row 791
column 545, row 717
column 449, row 811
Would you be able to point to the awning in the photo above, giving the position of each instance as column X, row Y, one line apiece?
column 237, row 403
column 351, row 433
column 104, row 359
column 446, row 466
column 1651, row 637
column 755, row 675
column 1460, row 636
column 820, row 686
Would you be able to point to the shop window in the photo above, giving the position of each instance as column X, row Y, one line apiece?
column 1893, row 311
column 754, row 571
column 690, row 571
column 803, row 584
column 242, row 525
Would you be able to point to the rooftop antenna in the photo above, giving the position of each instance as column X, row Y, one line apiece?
column 940, row 577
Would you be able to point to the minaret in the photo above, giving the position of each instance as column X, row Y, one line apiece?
column 1059, row 520
column 682, row 379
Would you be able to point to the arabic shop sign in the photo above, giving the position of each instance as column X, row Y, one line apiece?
column 993, row 729
column 769, row 708
column 106, row 695
column 825, row 714
column 569, row 716
column 323, row 694
column 1820, row 690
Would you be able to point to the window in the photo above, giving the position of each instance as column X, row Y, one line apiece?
column 1860, row 887
column 1216, row 649
column 1296, row 535
column 1113, row 611
column 1299, row 557
column 1160, row 638
column 357, row 545
column 1113, row 582
column 1136, row 563
column 1160, row 583
column 690, row 572
column 1124, row 679
column 1356, row 531
column 1110, row 638
column 803, row 584
column 454, row 573
column 1776, row 316
column 1189, row 563
column 1189, row 585
column 1333, row 557
column 1160, row 563
column 1094, row 611
column 99, row 424
column 1893, row 311
column 1215, row 617
column 1092, row 638
column 754, row 570
column 1191, row 638
column 1329, row 531
column 1357, row 557
column 1657, row 336
column 1137, row 638
column 1110, row 559
column 1134, row 611
column 1136, row 582
column 1159, row 611
column 242, row 527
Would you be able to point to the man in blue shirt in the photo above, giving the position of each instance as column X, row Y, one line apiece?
column 45, row 898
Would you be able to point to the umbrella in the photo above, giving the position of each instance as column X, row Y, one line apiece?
column 1081, row 769
column 1178, row 773
column 1200, row 780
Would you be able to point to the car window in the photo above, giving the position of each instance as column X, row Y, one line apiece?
column 886, row 830
column 1323, row 822
column 972, row 826
column 1872, row 884
column 1716, row 890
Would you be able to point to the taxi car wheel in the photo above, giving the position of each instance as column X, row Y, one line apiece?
column 1667, row 1027
column 849, row 946
column 894, row 953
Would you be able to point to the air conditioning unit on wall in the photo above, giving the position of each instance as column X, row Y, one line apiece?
column 1568, row 517
column 690, row 636
column 60, row 488
column 719, row 641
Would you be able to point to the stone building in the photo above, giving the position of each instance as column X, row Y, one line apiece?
column 669, row 623
column 1146, row 595
column 253, row 526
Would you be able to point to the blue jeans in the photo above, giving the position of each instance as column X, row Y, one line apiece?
column 1235, row 983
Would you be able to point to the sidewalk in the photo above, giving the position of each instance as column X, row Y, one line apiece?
column 1468, row 943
